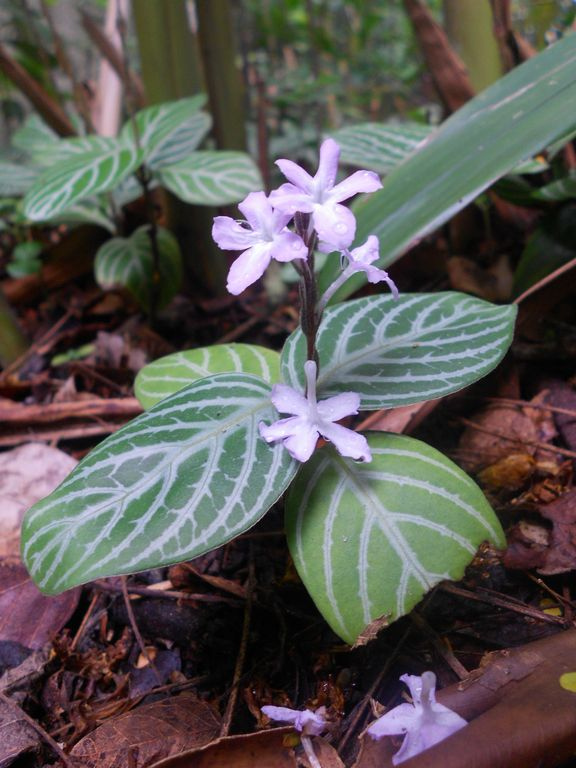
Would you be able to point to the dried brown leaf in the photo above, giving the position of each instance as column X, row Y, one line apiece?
column 149, row 733
column 277, row 748
column 27, row 474
column 561, row 553
column 26, row 615
column 17, row 737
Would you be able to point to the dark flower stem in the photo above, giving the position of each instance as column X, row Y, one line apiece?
column 309, row 315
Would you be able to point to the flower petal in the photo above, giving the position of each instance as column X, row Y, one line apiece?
column 327, row 166
column 248, row 267
column 281, row 429
column 335, row 408
column 289, row 199
column 301, row 445
column 288, row 400
column 347, row 442
column 335, row 224
column 230, row 235
column 395, row 722
column 289, row 246
column 297, row 175
column 366, row 253
column 360, row 181
column 260, row 215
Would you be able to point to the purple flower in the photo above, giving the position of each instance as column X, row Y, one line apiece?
column 320, row 196
column 307, row 722
column 425, row 722
column 362, row 258
column 262, row 237
column 311, row 419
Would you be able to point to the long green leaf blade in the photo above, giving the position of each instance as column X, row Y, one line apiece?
column 179, row 480
column 369, row 540
column 173, row 372
column 512, row 120
column 395, row 352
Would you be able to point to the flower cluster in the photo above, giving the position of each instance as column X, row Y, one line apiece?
column 314, row 203
column 264, row 234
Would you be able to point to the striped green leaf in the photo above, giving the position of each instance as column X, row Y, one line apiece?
column 172, row 373
column 90, row 211
column 369, row 540
column 67, row 149
column 212, row 178
column 379, row 146
column 169, row 132
column 179, row 480
column 35, row 138
column 16, row 178
column 396, row 352
column 81, row 176
column 524, row 112
column 129, row 262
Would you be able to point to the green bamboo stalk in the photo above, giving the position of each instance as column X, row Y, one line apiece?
column 469, row 25
column 13, row 343
column 171, row 68
column 223, row 79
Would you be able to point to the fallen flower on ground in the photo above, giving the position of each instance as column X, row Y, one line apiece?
column 310, row 419
column 424, row 722
column 307, row 722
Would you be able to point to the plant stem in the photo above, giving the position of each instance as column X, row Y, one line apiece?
column 309, row 315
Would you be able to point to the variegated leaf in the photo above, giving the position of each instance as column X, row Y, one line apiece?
column 369, row 540
column 67, row 149
column 16, row 179
column 395, row 352
column 212, row 178
column 80, row 177
column 183, row 478
column 172, row 373
column 34, row 137
column 169, row 132
column 379, row 146
column 91, row 211
column 129, row 262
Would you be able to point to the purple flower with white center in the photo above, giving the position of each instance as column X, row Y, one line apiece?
column 320, row 196
column 262, row 237
column 307, row 722
column 310, row 419
column 425, row 722
column 360, row 259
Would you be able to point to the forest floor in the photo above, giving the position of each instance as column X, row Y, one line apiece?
column 174, row 664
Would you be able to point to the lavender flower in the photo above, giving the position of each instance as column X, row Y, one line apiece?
column 360, row 259
column 311, row 419
column 320, row 196
column 307, row 722
column 425, row 722
column 262, row 237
